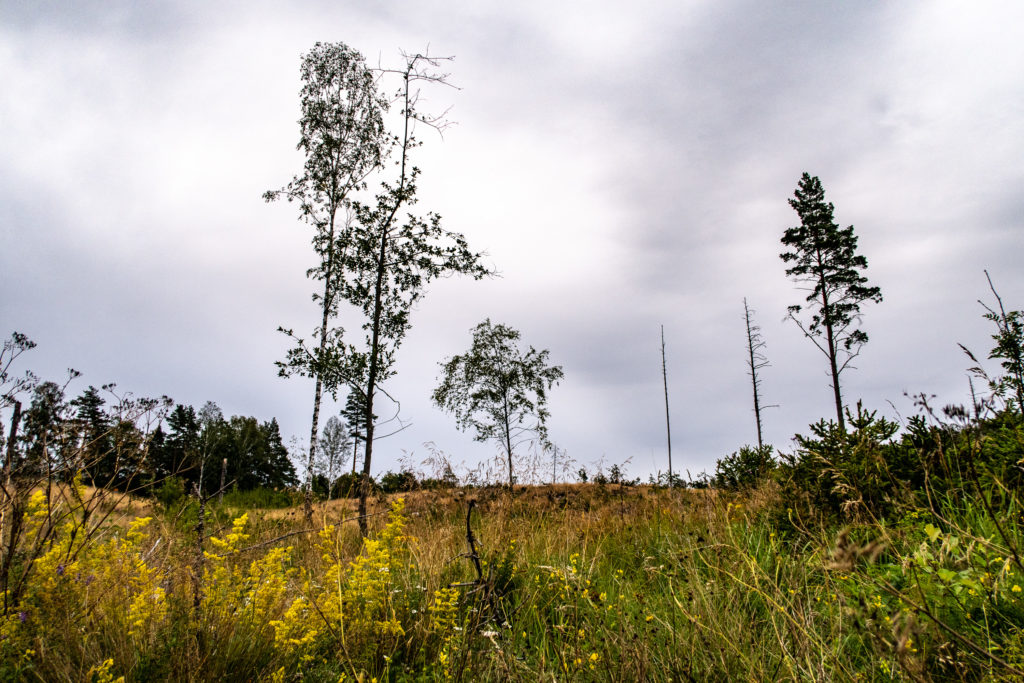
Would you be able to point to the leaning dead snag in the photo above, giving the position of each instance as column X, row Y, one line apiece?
column 482, row 586
column 756, row 360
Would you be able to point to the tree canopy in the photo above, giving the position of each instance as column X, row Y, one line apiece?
column 824, row 262
column 498, row 390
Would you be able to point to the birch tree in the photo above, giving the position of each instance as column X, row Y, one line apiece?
column 390, row 258
column 343, row 138
column 498, row 390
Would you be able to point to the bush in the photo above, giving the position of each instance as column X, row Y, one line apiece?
column 321, row 486
column 437, row 484
column 347, row 485
column 170, row 492
column 745, row 468
column 617, row 475
column 261, row 498
column 398, row 482
column 845, row 473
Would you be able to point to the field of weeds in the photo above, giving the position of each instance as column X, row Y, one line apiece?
column 563, row 583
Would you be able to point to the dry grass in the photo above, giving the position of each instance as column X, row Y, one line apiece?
column 581, row 582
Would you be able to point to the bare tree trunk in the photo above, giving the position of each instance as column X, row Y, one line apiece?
column 826, row 313
column 9, row 457
column 9, row 513
column 307, row 506
column 197, row 558
column 223, row 472
column 753, row 344
column 508, row 448
column 668, row 428
column 835, row 374
column 506, row 424
column 318, row 392
column 364, row 484
column 325, row 319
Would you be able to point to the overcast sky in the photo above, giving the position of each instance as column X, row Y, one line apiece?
column 623, row 168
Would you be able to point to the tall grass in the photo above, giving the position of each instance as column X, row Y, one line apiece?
column 576, row 583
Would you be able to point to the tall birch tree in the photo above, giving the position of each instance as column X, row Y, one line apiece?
column 390, row 258
column 343, row 138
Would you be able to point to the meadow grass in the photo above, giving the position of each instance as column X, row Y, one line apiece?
column 576, row 583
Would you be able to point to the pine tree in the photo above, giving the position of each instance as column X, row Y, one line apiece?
column 825, row 263
column 94, row 425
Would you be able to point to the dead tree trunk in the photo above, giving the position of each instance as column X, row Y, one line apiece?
column 668, row 427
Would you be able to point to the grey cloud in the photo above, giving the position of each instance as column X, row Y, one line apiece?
column 619, row 180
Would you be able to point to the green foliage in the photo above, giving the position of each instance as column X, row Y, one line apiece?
column 617, row 475
column 498, row 390
column 824, row 261
column 94, row 425
column 445, row 479
column 839, row 472
column 343, row 138
column 261, row 497
column 869, row 472
column 1008, row 349
column 745, row 469
column 348, row 485
column 381, row 263
column 398, row 482
column 170, row 492
column 658, row 585
column 44, row 441
column 197, row 446
column 335, row 447
column 179, row 453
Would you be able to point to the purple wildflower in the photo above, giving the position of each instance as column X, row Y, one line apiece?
column 60, row 570
column 23, row 617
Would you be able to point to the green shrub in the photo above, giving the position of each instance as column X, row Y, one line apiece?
column 262, row 498
column 744, row 469
column 170, row 492
column 347, row 485
column 844, row 473
column 398, row 482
